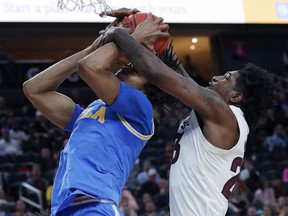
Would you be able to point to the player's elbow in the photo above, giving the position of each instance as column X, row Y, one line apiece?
column 85, row 66
column 28, row 88
column 81, row 67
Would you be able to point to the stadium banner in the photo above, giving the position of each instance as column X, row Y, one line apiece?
column 182, row 11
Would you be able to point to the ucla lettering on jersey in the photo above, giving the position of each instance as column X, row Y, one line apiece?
column 98, row 114
column 104, row 144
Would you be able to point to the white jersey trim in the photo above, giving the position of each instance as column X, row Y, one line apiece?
column 134, row 131
column 243, row 133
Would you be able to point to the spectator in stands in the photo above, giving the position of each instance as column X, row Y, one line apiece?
column 3, row 110
column 25, row 117
column 127, row 196
column 250, row 176
column 238, row 201
column 40, row 125
column 150, row 209
column 278, row 140
column 283, row 101
column 264, row 196
column 126, row 208
column 9, row 146
column 164, row 160
column 10, row 119
column 169, row 123
column 46, row 161
column 284, row 212
column 251, row 211
column 131, row 182
column 281, row 203
column 151, row 186
column 161, row 199
column 21, row 209
column 6, row 205
column 247, row 167
column 37, row 181
column 143, row 176
column 279, row 188
column 146, row 197
column 267, row 211
column 271, row 121
column 17, row 134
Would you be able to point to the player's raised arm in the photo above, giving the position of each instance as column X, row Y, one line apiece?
column 212, row 107
column 183, row 88
column 95, row 70
column 41, row 89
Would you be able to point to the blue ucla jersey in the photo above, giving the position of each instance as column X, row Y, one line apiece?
column 103, row 147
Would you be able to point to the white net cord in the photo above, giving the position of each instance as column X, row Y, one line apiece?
column 71, row 5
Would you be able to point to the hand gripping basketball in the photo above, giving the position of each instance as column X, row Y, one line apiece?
column 133, row 20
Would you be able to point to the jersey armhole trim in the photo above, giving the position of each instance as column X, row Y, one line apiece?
column 133, row 131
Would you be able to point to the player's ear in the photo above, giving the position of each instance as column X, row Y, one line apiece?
column 236, row 97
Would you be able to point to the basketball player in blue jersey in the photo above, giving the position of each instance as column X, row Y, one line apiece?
column 210, row 144
column 107, row 136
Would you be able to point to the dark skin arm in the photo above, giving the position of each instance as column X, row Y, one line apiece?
column 94, row 69
column 218, row 119
column 41, row 89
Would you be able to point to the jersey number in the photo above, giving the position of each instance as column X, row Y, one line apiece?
column 176, row 148
column 226, row 191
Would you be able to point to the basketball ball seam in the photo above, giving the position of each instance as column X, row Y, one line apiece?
column 161, row 46
column 135, row 19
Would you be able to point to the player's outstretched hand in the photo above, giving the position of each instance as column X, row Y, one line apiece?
column 119, row 13
column 150, row 30
column 107, row 36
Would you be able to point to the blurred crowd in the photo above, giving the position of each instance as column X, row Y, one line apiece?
column 30, row 146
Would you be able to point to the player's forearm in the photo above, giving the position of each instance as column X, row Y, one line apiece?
column 143, row 59
column 95, row 70
column 101, row 59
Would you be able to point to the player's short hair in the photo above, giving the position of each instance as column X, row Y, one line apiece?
column 259, row 93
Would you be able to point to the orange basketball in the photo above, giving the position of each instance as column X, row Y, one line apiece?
column 135, row 19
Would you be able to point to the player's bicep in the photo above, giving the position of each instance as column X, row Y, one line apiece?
column 56, row 107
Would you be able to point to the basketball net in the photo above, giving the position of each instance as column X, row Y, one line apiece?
column 99, row 5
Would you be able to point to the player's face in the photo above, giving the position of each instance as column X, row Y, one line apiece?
column 130, row 76
column 224, row 84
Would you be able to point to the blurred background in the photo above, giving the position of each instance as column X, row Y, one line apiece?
column 210, row 37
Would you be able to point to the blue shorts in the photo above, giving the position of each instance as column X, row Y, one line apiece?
column 91, row 209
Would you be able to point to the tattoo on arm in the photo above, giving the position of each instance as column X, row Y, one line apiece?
column 209, row 97
column 187, row 86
